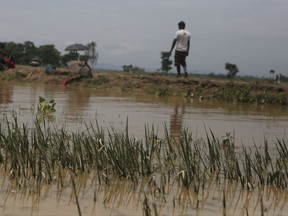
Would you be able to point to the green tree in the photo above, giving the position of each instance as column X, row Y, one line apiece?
column 23, row 53
column 16, row 50
column 166, row 62
column 30, row 51
column 69, row 57
column 49, row 55
column 232, row 70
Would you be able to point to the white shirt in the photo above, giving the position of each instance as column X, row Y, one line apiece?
column 183, row 37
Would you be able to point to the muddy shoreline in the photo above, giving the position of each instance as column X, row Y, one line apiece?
column 259, row 91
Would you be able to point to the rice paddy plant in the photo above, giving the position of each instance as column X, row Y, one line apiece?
column 157, row 149
column 18, row 152
column 130, row 157
column 247, row 166
column 78, row 153
column 43, row 153
column 230, row 159
column 122, row 154
column 15, row 153
column 279, row 176
column 259, row 166
column 190, row 154
column 214, row 153
column 59, row 146
column 96, row 146
column 221, row 158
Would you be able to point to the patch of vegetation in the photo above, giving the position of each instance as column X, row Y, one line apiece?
column 5, row 78
column 242, row 95
column 162, row 91
column 198, row 91
column 128, row 86
column 99, row 80
column 247, row 95
column 46, row 106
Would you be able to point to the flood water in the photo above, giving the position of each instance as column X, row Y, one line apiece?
column 78, row 107
column 248, row 123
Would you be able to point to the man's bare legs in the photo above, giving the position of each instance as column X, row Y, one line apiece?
column 179, row 70
column 185, row 71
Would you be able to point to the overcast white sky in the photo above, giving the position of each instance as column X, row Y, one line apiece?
column 253, row 34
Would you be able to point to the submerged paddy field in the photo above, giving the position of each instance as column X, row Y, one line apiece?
column 48, row 169
column 108, row 172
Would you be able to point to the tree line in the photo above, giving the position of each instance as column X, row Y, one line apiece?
column 23, row 53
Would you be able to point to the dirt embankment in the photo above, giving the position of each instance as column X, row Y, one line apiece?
column 161, row 85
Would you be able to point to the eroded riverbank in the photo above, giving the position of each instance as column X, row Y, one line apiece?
column 256, row 91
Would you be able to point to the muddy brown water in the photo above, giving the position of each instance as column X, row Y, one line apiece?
column 249, row 123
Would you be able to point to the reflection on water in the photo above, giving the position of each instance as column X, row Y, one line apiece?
column 77, row 106
column 176, row 125
column 120, row 197
column 6, row 94
column 77, row 99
